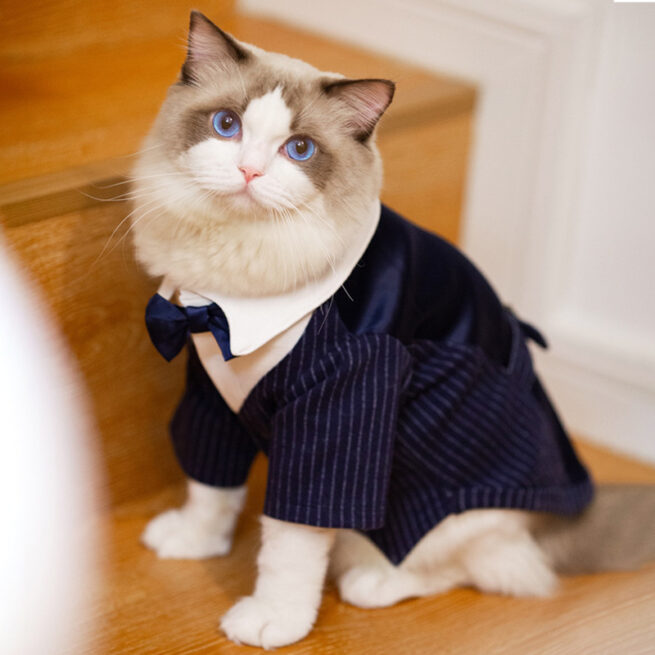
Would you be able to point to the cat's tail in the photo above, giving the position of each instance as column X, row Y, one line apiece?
column 616, row 532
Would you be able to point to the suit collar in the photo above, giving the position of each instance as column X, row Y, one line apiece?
column 253, row 321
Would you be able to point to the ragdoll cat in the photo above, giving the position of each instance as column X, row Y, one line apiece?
column 410, row 443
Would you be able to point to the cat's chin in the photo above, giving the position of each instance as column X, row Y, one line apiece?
column 245, row 201
column 238, row 246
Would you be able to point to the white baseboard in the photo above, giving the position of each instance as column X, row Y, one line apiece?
column 601, row 408
column 534, row 62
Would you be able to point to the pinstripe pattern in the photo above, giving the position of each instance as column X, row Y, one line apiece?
column 386, row 431
column 210, row 442
column 331, row 432
column 365, row 432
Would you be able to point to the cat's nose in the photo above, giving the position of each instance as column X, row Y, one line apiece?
column 249, row 173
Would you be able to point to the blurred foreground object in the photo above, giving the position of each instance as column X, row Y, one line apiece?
column 48, row 555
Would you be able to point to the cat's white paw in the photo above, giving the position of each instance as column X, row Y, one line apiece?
column 513, row 566
column 258, row 622
column 179, row 534
column 366, row 586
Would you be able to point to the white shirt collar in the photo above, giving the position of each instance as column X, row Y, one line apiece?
column 253, row 321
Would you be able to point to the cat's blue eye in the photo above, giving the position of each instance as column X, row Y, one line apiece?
column 226, row 123
column 300, row 149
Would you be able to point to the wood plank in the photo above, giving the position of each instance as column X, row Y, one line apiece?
column 65, row 180
column 75, row 97
column 170, row 607
column 41, row 207
column 613, row 467
column 37, row 30
column 81, row 82
column 425, row 169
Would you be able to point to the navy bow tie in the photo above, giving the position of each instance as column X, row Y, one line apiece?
column 169, row 326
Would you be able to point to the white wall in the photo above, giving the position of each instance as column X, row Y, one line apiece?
column 606, row 315
column 559, row 198
column 612, row 270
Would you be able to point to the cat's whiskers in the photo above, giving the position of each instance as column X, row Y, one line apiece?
column 180, row 219
column 280, row 236
column 302, row 261
column 136, row 153
column 132, row 194
column 286, row 234
column 286, row 214
column 138, row 220
column 321, row 219
column 328, row 255
column 299, row 210
column 155, row 203
column 121, row 197
column 355, row 211
column 138, row 178
column 111, row 236
column 305, row 206
column 122, row 222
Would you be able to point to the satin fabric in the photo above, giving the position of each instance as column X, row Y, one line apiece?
column 170, row 325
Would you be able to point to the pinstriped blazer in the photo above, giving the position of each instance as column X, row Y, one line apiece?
column 410, row 396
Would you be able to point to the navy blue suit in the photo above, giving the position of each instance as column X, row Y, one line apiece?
column 410, row 396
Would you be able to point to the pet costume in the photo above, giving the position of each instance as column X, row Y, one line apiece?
column 410, row 396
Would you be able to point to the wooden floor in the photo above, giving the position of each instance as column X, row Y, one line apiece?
column 159, row 607
column 80, row 84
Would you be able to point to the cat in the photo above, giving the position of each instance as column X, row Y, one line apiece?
column 257, row 202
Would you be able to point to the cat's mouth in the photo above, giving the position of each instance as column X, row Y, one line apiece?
column 244, row 198
column 247, row 198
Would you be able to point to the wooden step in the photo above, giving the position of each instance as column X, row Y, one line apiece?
column 166, row 607
column 94, row 98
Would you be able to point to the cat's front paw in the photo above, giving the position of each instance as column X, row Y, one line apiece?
column 179, row 534
column 259, row 622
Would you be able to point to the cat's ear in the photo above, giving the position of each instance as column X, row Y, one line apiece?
column 364, row 100
column 208, row 44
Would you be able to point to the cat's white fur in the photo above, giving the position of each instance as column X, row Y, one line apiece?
column 291, row 568
column 203, row 527
column 491, row 550
column 200, row 224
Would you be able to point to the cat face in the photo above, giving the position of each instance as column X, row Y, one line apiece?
column 263, row 131
column 251, row 138
column 252, row 158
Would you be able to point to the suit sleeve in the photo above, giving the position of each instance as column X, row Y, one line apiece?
column 211, row 444
column 332, row 442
